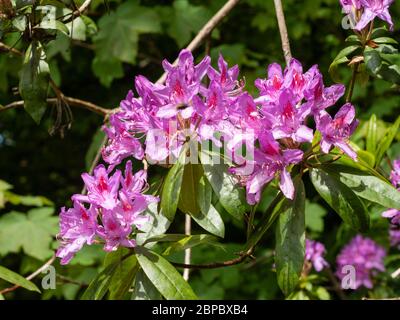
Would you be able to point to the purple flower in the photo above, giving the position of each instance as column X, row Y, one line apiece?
column 392, row 214
column 350, row 5
column 102, row 190
column 315, row 252
column 225, row 77
column 115, row 232
column 183, row 83
column 337, row 131
column 395, row 174
column 287, row 120
column 373, row 9
column 365, row 256
column 269, row 161
column 133, row 187
column 78, row 226
column 119, row 203
column 319, row 98
column 121, row 143
column 394, row 235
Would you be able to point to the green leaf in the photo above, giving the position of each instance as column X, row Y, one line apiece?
column 341, row 58
column 189, row 242
column 172, row 187
column 372, row 60
column 189, row 191
column 77, row 29
column 157, row 224
column 390, row 73
column 186, row 19
column 124, row 274
column 385, row 40
column 352, row 38
column 371, row 138
column 99, row 286
column 341, row 199
column 144, row 289
column 208, row 217
column 277, row 206
column 367, row 157
column 34, row 201
column 231, row 196
column 34, row 81
column 387, row 140
column 379, row 32
column 315, row 216
column 33, row 232
column 119, row 31
column 15, row 278
column 290, row 241
column 164, row 276
column 107, row 70
column 366, row 186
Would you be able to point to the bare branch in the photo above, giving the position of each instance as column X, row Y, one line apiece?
column 78, row 11
column 215, row 265
column 206, row 30
column 188, row 251
column 283, row 31
column 6, row 48
column 71, row 101
column 32, row 275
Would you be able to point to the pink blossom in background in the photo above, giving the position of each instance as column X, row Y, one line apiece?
column 315, row 252
column 366, row 256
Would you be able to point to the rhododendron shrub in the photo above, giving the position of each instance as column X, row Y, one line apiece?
column 224, row 152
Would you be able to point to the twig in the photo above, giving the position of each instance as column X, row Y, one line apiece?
column 352, row 82
column 71, row 101
column 78, row 11
column 395, row 274
column 336, row 286
column 32, row 275
column 283, row 31
column 216, row 265
column 188, row 251
column 6, row 48
column 206, row 30
column 65, row 279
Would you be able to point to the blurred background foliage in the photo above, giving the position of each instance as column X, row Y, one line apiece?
column 121, row 40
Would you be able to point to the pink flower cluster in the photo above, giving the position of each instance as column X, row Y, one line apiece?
column 315, row 252
column 111, row 209
column 365, row 11
column 185, row 108
column 365, row 256
column 201, row 104
column 167, row 115
column 287, row 99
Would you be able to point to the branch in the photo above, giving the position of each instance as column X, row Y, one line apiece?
column 206, row 30
column 31, row 276
column 336, row 286
column 216, row 265
column 283, row 31
column 188, row 251
column 395, row 274
column 71, row 101
column 78, row 11
column 6, row 48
